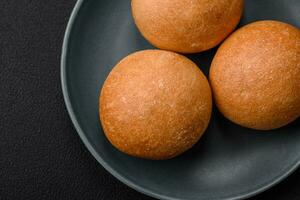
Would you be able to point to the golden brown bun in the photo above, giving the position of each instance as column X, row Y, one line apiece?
column 186, row 26
column 155, row 104
column 255, row 75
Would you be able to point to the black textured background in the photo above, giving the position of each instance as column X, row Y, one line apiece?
column 41, row 156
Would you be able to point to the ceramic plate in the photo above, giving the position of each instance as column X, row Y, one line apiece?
column 229, row 162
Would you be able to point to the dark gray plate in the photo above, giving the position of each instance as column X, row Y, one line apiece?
column 229, row 162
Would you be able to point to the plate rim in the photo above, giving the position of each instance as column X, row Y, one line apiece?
column 106, row 166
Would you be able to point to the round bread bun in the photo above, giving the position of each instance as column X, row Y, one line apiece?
column 255, row 75
column 186, row 26
column 155, row 104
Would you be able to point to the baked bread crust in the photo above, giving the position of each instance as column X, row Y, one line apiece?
column 155, row 104
column 255, row 75
column 186, row 26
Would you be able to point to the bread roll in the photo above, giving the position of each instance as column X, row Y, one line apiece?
column 186, row 26
column 255, row 75
column 155, row 104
